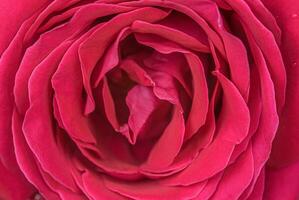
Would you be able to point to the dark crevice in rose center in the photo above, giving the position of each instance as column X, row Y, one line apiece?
column 120, row 84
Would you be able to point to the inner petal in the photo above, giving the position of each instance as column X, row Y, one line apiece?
column 141, row 102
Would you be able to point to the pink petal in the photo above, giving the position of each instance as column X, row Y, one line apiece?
column 236, row 177
column 210, row 187
column 282, row 182
column 268, row 120
column 27, row 161
column 37, row 123
column 153, row 190
column 259, row 187
column 187, row 11
column 95, row 187
column 199, row 108
column 169, row 144
column 68, row 93
column 136, row 72
column 209, row 162
column 90, row 54
column 170, row 34
column 285, row 146
column 17, row 12
column 269, row 47
column 200, row 102
column 141, row 102
column 234, row 119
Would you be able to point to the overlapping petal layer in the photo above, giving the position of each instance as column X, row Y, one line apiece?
column 144, row 99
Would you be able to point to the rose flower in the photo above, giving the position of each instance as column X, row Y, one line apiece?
column 149, row 99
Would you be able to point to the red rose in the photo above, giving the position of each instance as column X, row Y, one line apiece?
column 149, row 99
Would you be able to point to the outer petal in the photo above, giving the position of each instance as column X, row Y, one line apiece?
column 16, row 11
column 236, row 177
column 10, row 181
column 37, row 123
column 283, row 182
column 8, row 64
column 282, row 177
column 286, row 150
column 151, row 190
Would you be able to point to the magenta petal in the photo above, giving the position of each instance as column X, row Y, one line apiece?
column 269, row 47
column 266, row 17
column 213, row 36
column 141, row 102
column 95, row 187
column 238, row 62
column 234, row 119
column 209, row 162
column 153, row 190
column 282, row 182
column 34, row 55
column 200, row 102
column 67, row 88
column 199, row 107
column 62, row 191
column 136, row 72
column 11, row 179
column 285, row 150
column 236, row 177
column 236, row 54
column 67, row 84
column 203, row 138
column 170, row 34
column 90, row 54
column 258, row 189
column 268, row 122
column 111, row 57
column 27, row 161
column 8, row 66
column 17, row 12
column 170, row 61
column 210, row 187
column 168, row 145
column 165, row 88
column 108, row 62
column 13, row 146
column 37, row 123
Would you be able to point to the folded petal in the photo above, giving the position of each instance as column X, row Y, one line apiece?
column 169, row 144
column 234, row 118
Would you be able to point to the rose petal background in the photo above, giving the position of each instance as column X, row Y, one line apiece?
column 282, row 172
